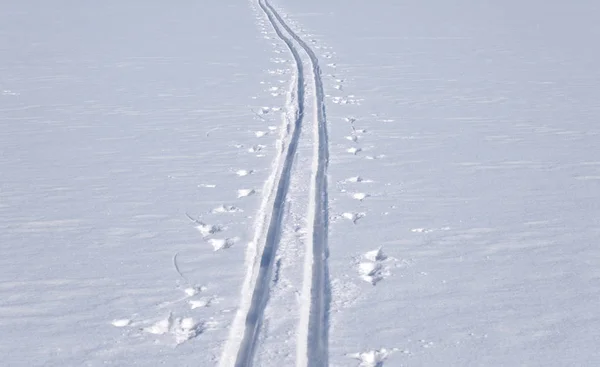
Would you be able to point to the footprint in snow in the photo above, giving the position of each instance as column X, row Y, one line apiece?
column 256, row 148
column 222, row 243
column 373, row 157
column 354, row 217
column 372, row 358
column 353, row 150
column 192, row 291
column 244, row 172
column 186, row 328
column 160, row 327
column 352, row 138
column 421, row 230
column 356, row 179
column 182, row 329
column 227, row 209
column 209, row 186
column 189, row 292
column 372, row 272
column 371, row 269
column 204, row 228
column 208, row 229
column 121, row 322
column 428, row 230
column 242, row 193
column 200, row 303
column 277, row 72
column 376, row 255
column 360, row 196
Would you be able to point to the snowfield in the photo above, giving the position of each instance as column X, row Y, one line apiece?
column 299, row 183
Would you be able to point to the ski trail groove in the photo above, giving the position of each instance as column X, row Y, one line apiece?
column 240, row 346
column 312, row 332
column 312, row 342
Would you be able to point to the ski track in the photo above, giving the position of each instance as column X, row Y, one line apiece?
column 312, row 333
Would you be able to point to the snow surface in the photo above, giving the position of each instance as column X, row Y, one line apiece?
column 311, row 183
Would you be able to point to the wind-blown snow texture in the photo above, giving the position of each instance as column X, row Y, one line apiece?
column 140, row 143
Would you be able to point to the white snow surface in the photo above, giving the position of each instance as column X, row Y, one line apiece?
column 299, row 183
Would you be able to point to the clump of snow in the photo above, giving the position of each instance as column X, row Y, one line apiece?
column 185, row 329
column 208, row 229
column 221, row 243
column 121, row 322
column 244, row 172
column 372, row 269
column 354, row 217
column 160, row 327
column 192, row 291
column 372, row 358
column 245, row 192
column 227, row 209
column 360, row 196
column 199, row 303
column 182, row 329
column 353, row 150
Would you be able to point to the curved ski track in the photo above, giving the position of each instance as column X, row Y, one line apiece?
column 312, row 333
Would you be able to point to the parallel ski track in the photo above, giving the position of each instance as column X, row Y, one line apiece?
column 312, row 347
column 312, row 335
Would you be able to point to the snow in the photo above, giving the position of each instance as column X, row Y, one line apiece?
column 369, row 183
